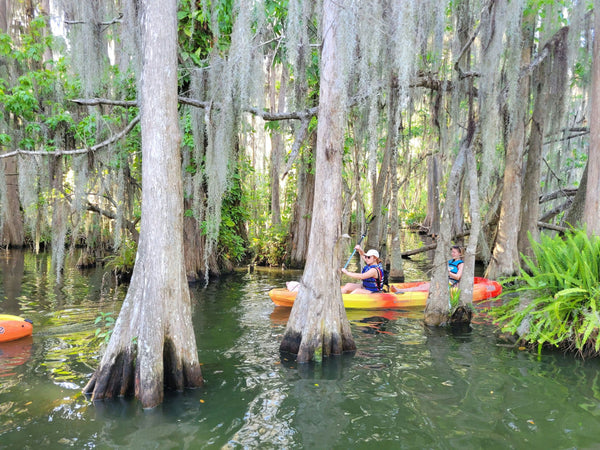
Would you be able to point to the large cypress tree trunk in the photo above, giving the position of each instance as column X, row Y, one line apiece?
column 153, row 342
column 318, row 325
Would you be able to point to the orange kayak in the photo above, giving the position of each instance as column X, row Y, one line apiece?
column 483, row 289
column 14, row 327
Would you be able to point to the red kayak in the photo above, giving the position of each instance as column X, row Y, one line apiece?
column 14, row 327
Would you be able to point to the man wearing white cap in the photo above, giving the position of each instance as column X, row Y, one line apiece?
column 371, row 275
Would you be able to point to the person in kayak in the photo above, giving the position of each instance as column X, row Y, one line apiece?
column 371, row 275
column 455, row 270
column 455, row 265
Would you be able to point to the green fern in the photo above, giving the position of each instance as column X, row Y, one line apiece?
column 563, row 282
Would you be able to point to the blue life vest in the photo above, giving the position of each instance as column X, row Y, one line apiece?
column 373, row 284
column 453, row 266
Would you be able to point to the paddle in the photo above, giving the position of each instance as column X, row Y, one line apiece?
column 369, row 220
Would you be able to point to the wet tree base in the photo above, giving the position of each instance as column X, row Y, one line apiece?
column 462, row 315
column 315, row 349
column 122, row 379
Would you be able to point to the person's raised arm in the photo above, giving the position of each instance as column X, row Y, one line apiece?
column 371, row 273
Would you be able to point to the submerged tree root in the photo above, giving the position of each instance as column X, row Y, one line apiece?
column 317, row 347
column 113, row 380
column 122, row 377
column 462, row 315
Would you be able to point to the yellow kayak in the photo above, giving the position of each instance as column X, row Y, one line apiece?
column 483, row 289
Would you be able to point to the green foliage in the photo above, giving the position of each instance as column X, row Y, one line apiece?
column 203, row 30
column 413, row 218
column 30, row 100
column 563, row 283
column 124, row 260
column 106, row 324
column 270, row 247
column 454, row 298
column 233, row 217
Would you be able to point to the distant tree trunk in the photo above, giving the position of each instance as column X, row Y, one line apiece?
column 505, row 256
column 4, row 15
column 377, row 199
column 376, row 232
column 153, row 342
column 549, row 76
column 277, row 149
column 12, row 220
column 396, row 265
column 432, row 219
column 591, row 210
column 303, row 210
column 530, row 203
column 574, row 215
column 436, row 309
column 13, row 233
column 437, row 306
column 466, row 281
column 194, row 243
column 318, row 325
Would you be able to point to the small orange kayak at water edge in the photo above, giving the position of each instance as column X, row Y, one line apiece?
column 483, row 289
column 14, row 327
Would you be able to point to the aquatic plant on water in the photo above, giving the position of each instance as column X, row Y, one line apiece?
column 556, row 296
column 106, row 324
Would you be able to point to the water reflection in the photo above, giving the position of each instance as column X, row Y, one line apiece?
column 12, row 268
column 405, row 387
column 14, row 354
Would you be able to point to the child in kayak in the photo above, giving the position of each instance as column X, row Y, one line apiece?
column 455, row 270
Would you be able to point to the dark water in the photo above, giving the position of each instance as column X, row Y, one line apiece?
column 406, row 387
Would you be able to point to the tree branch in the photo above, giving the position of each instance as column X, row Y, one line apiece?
column 567, row 192
column 106, row 213
column 81, row 151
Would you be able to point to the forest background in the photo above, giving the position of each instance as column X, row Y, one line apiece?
column 419, row 75
column 462, row 118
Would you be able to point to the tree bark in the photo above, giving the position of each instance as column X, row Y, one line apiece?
column 277, row 147
column 575, row 215
column 395, row 257
column 318, row 325
column 377, row 200
column 12, row 223
column 436, row 308
column 432, row 220
column 544, row 105
column 153, row 342
column 505, row 256
column 303, row 210
column 530, row 204
column 591, row 210
column 466, row 283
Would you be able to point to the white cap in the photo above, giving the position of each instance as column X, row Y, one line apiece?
column 372, row 252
